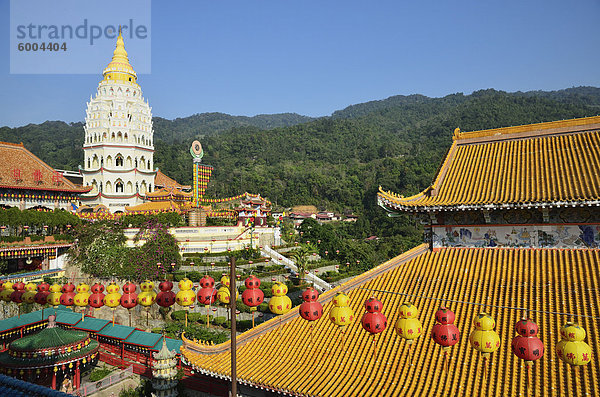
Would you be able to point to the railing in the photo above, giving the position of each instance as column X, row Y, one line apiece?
column 31, row 276
column 279, row 259
column 93, row 387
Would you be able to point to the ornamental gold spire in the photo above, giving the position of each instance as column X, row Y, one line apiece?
column 119, row 67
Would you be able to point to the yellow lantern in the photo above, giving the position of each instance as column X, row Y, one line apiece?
column 53, row 298
column 280, row 303
column 82, row 297
column 29, row 294
column 341, row 314
column 113, row 297
column 223, row 291
column 408, row 325
column 7, row 290
column 484, row 339
column 185, row 297
column 147, row 296
column 571, row 348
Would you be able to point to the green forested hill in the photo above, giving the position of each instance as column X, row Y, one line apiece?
column 334, row 162
column 189, row 128
column 63, row 150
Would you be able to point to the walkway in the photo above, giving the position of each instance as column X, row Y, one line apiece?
column 279, row 259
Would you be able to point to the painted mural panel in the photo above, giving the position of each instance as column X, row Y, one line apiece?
column 526, row 236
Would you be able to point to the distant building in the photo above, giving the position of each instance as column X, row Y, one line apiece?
column 26, row 182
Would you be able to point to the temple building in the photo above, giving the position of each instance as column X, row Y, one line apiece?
column 119, row 142
column 511, row 229
column 26, row 182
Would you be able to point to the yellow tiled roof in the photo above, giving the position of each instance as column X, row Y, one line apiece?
column 155, row 206
column 551, row 280
column 516, row 166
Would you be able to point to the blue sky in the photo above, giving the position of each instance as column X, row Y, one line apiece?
column 313, row 57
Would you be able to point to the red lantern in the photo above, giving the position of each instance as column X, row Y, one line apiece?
column 373, row 321
column 17, row 295
column 43, row 292
column 129, row 288
column 310, row 295
column 207, row 282
column 310, row 310
column 97, row 288
column 96, row 299
column 527, row 346
column 129, row 298
column 67, row 298
column 165, row 297
column 445, row 333
column 253, row 297
column 252, row 282
column 207, row 293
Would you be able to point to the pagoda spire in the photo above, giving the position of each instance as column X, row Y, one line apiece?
column 119, row 67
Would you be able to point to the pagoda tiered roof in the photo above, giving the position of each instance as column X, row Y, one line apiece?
column 316, row 359
column 537, row 165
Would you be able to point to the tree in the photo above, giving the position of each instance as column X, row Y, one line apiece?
column 300, row 257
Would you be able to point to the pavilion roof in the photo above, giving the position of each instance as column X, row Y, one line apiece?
column 549, row 164
column 48, row 338
column 67, row 317
column 22, row 169
column 172, row 344
column 142, row 338
column 24, row 319
column 116, row 331
column 283, row 358
column 91, row 324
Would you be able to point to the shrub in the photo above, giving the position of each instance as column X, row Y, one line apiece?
column 99, row 373
column 179, row 315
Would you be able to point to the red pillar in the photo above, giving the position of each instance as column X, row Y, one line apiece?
column 54, row 379
column 21, row 330
column 77, row 375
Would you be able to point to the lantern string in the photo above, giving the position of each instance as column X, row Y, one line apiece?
column 479, row 304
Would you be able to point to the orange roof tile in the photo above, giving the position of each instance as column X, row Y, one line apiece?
column 21, row 169
column 546, row 280
column 164, row 181
column 167, row 192
column 551, row 163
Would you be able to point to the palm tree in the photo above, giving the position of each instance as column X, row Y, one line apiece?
column 301, row 255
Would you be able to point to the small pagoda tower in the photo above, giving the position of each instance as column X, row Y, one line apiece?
column 164, row 372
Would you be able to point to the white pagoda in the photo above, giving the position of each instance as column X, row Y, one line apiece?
column 164, row 372
column 118, row 147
